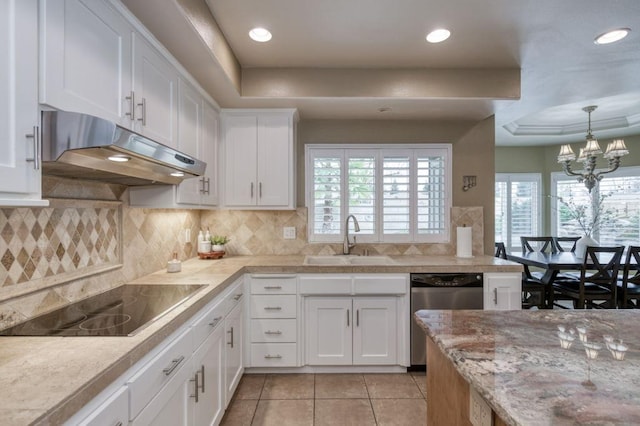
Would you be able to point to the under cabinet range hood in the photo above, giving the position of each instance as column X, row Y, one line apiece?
column 81, row 146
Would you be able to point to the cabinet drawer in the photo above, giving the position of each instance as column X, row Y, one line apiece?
column 325, row 284
column 209, row 321
column 273, row 330
column 148, row 381
column 273, row 354
column 264, row 306
column 380, row 284
column 115, row 409
column 273, row 285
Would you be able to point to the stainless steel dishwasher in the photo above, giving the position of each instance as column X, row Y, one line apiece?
column 440, row 291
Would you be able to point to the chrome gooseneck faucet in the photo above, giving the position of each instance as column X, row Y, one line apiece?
column 347, row 246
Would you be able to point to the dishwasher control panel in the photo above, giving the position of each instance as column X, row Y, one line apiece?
column 446, row 280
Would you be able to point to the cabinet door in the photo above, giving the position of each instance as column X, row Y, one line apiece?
column 171, row 405
column 328, row 333
column 209, row 153
column 502, row 291
column 233, row 355
column 274, row 160
column 375, row 330
column 189, row 140
column 155, row 88
column 208, row 363
column 240, row 160
column 86, row 59
column 19, row 178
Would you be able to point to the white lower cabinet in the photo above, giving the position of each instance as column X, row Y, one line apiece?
column 207, row 389
column 233, row 351
column 502, row 291
column 351, row 331
column 273, row 333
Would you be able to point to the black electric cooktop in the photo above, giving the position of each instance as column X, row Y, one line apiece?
column 121, row 311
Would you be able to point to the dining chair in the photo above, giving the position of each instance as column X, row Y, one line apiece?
column 565, row 243
column 541, row 244
column 598, row 280
column 629, row 286
column 533, row 289
column 501, row 250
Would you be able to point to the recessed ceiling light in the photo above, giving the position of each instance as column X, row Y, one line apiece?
column 177, row 174
column 260, row 34
column 439, row 35
column 612, row 36
column 119, row 158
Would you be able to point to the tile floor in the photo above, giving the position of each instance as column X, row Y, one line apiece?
column 329, row 399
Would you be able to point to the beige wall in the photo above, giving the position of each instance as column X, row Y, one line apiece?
column 473, row 152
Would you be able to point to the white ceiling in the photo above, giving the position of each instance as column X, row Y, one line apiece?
column 550, row 41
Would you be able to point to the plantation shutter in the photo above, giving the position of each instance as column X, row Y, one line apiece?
column 327, row 194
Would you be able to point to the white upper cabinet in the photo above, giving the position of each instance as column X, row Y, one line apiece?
column 19, row 122
column 95, row 62
column 155, row 85
column 259, row 158
column 86, row 59
column 198, row 124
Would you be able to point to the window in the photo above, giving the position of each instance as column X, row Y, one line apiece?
column 398, row 193
column 620, row 192
column 518, row 207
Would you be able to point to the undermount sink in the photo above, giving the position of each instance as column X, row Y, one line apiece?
column 370, row 260
column 347, row 260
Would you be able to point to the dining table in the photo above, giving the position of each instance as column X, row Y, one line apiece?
column 554, row 263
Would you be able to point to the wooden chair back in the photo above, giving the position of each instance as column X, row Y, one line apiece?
column 565, row 243
column 631, row 274
column 501, row 251
column 604, row 274
column 541, row 244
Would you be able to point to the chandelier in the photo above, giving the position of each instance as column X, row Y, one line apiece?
column 589, row 175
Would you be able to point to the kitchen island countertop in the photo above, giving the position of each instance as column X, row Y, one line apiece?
column 45, row 380
column 514, row 360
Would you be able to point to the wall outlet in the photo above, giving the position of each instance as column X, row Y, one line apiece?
column 289, row 233
column 479, row 411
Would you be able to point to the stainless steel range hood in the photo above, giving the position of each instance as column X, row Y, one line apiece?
column 81, row 146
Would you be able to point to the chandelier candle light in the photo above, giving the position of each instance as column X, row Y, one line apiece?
column 615, row 150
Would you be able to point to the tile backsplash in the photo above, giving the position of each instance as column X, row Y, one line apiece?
column 76, row 247
column 257, row 232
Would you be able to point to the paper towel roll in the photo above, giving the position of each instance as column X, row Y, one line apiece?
column 464, row 244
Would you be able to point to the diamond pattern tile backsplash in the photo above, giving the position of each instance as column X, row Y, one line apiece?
column 61, row 239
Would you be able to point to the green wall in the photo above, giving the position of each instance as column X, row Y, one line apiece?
column 543, row 159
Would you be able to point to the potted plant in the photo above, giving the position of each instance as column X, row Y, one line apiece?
column 218, row 242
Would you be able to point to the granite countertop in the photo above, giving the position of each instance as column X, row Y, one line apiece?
column 45, row 380
column 514, row 360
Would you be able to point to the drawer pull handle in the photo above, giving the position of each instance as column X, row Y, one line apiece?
column 237, row 296
column 215, row 321
column 273, row 332
column 273, row 356
column 273, row 287
column 119, row 424
column 174, row 364
column 195, row 379
column 348, row 315
column 132, row 106
column 202, row 384
column 272, row 308
column 231, row 333
column 495, row 296
column 37, row 148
